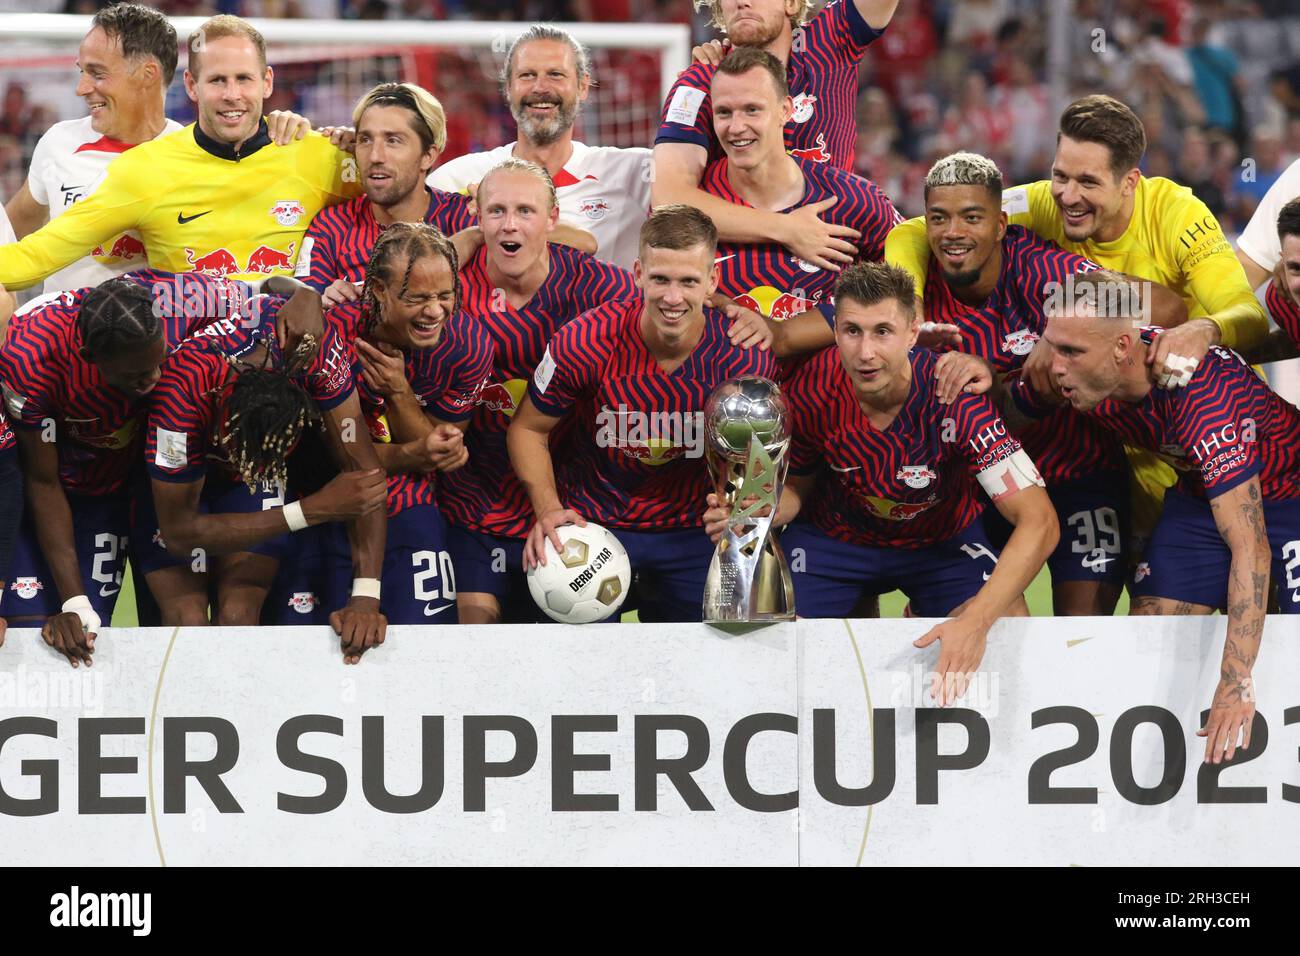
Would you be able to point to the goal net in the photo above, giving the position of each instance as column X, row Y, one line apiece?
column 322, row 67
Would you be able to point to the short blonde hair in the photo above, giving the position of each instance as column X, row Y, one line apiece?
column 217, row 28
column 432, row 125
column 513, row 165
column 801, row 16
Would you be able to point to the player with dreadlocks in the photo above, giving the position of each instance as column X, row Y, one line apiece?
column 75, row 368
column 424, row 363
column 226, row 414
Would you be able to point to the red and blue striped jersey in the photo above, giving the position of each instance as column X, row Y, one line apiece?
column 1065, row 445
column 185, row 410
column 1218, row 430
column 485, row 495
column 446, row 380
column 340, row 238
column 767, row 277
column 823, row 79
column 1285, row 313
column 46, row 381
column 911, row 485
column 635, row 456
column 7, row 440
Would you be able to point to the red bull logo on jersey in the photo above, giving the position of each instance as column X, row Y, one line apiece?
column 898, row 510
column 219, row 263
column 594, row 209
column 128, row 247
column 815, row 154
column 113, row 441
column 377, row 422
column 503, row 397
column 303, row 601
column 654, row 438
column 27, row 588
column 268, row 259
column 1019, row 342
column 773, row 303
column 804, row 104
column 287, row 212
column 916, row 476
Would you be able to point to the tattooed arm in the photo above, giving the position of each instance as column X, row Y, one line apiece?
column 1239, row 515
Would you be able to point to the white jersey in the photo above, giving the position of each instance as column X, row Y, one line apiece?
column 69, row 162
column 603, row 189
column 1259, row 239
column 6, row 229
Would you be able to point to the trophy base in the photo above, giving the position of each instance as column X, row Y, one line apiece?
column 738, row 627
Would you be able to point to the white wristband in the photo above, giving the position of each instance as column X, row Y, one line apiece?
column 81, row 606
column 365, row 587
column 294, row 517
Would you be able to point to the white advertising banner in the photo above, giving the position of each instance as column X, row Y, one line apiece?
column 811, row 743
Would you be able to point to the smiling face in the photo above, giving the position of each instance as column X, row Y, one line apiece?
column 873, row 341
column 757, row 22
column 415, row 319
column 1090, row 197
column 675, row 282
column 749, row 117
column 516, row 215
column 115, row 89
column 964, row 225
column 392, row 162
column 545, row 90
column 230, row 88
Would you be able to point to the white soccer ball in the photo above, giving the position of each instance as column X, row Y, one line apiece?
column 587, row 581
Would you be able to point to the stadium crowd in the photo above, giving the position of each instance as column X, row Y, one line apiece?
column 348, row 376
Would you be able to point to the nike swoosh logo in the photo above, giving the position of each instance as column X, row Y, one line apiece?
column 430, row 611
column 70, row 189
column 182, row 219
column 850, row 468
column 108, row 590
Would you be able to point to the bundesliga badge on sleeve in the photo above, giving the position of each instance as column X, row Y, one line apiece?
column 746, row 440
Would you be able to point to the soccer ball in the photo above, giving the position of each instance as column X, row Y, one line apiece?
column 587, row 581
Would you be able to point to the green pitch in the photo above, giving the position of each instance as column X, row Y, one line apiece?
column 891, row 605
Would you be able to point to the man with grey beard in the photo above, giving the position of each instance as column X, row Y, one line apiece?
column 602, row 189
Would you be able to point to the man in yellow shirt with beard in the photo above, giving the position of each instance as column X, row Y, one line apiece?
column 1099, row 205
column 209, row 198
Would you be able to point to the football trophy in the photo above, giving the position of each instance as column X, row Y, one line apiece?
column 746, row 440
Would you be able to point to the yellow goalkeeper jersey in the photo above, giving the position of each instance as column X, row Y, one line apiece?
column 198, row 206
column 1173, row 239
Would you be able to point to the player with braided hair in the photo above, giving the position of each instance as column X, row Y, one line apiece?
column 424, row 363
column 75, row 368
column 222, row 423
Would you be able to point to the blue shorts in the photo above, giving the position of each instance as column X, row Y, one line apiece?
column 220, row 495
column 830, row 575
column 669, row 569
column 1188, row 560
column 1094, row 516
column 99, row 533
column 493, row 564
column 418, row 583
